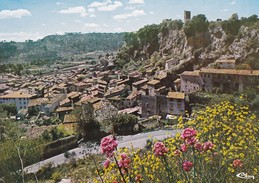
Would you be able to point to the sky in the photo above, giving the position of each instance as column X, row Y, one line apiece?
column 21, row 20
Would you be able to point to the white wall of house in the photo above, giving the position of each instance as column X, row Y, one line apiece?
column 50, row 108
column 20, row 103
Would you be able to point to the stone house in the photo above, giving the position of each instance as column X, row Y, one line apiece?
column 224, row 80
column 137, row 85
column 175, row 103
column 229, row 80
column 132, row 99
column 191, row 81
column 153, row 105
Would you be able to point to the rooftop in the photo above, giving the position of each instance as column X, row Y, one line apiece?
column 17, row 94
column 133, row 95
column 153, row 82
column 191, row 73
column 231, row 72
column 176, row 95
column 140, row 82
column 113, row 90
column 63, row 109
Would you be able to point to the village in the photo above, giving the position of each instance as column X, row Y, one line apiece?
column 144, row 95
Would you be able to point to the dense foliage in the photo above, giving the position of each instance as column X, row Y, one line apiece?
column 16, row 152
column 198, row 24
column 56, row 46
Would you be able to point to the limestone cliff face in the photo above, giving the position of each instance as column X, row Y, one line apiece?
column 204, row 48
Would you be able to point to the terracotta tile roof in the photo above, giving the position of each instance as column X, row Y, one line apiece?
column 17, row 94
column 140, row 82
column 38, row 101
column 72, row 94
column 191, row 73
column 153, row 82
column 231, row 72
column 176, row 95
column 94, row 100
column 80, row 84
column 130, row 110
column 133, row 95
column 113, row 90
column 65, row 101
column 63, row 109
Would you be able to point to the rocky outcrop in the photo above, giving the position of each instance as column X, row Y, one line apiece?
column 204, row 48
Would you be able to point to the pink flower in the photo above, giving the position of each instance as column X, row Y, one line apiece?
column 106, row 163
column 207, row 146
column 198, row 146
column 237, row 163
column 177, row 152
column 160, row 149
column 184, row 148
column 124, row 162
column 188, row 133
column 191, row 141
column 108, row 145
column 187, row 165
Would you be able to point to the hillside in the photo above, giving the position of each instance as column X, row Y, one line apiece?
column 195, row 43
column 59, row 46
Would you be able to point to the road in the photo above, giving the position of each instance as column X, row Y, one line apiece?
column 137, row 141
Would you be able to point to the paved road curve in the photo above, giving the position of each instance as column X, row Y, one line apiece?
column 137, row 141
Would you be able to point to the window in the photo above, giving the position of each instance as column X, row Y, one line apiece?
column 146, row 104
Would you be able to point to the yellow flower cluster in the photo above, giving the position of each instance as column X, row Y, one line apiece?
column 233, row 131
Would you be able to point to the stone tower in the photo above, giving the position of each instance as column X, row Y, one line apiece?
column 187, row 15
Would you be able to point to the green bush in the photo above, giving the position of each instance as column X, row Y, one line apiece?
column 56, row 176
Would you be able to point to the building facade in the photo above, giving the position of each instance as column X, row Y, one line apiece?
column 175, row 103
column 20, row 99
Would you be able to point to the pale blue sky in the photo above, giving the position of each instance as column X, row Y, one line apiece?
column 33, row 19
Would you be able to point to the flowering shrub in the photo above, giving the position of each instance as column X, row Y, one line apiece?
column 108, row 145
column 219, row 143
column 160, row 149
column 187, row 165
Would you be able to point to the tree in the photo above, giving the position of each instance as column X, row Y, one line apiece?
column 124, row 123
column 198, row 24
column 232, row 25
column 16, row 152
column 9, row 108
